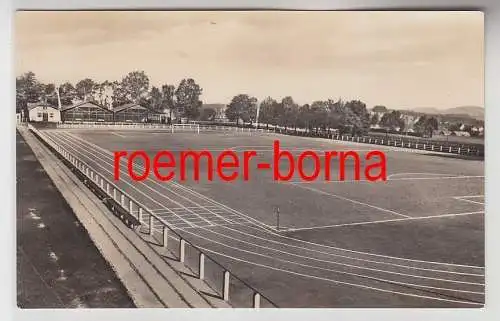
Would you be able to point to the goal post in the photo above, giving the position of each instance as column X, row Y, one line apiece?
column 181, row 128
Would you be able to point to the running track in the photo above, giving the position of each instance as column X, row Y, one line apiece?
column 291, row 272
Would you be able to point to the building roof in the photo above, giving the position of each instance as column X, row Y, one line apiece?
column 66, row 108
column 34, row 105
column 127, row 106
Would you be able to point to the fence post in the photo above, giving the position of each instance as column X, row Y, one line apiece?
column 107, row 188
column 225, row 289
column 459, row 150
column 432, row 147
column 151, row 224
column 139, row 216
column 102, row 183
column 441, row 148
column 424, row 146
column 114, row 193
column 450, row 149
column 165, row 236
column 201, row 270
column 256, row 300
column 130, row 206
column 122, row 200
column 416, row 145
column 182, row 250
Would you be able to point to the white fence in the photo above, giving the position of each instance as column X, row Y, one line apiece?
column 427, row 146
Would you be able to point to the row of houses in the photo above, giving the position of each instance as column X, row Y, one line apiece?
column 89, row 111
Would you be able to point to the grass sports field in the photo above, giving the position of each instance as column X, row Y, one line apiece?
column 416, row 240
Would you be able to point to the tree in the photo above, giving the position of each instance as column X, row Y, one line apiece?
column 119, row 96
column 154, row 100
column 102, row 92
column 425, row 125
column 355, row 118
column 188, row 98
column 374, row 120
column 290, row 112
column 133, row 86
column 85, row 89
column 67, row 92
column 49, row 94
column 207, row 114
column 168, row 98
column 392, row 120
column 242, row 107
column 28, row 90
column 334, row 118
column 305, row 117
column 319, row 114
column 379, row 109
column 266, row 111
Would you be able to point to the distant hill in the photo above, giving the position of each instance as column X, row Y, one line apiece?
column 471, row 111
column 427, row 110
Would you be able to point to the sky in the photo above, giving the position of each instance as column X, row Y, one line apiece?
column 402, row 60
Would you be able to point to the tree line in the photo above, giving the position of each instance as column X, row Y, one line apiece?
column 321, row 115
column 184, row 100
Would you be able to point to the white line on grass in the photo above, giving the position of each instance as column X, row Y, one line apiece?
column 388, row 180
column 430, row 174
column 384, row 221
column 468, row 201
column 119, row 135
column 350, row 200
column 469, row 196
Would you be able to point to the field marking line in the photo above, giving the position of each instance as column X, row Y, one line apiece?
column 468, row 201
column 338, row 272
column 381, row 182
column 270, row 231
column 430, row 174
column 350, row 200
column 119, row 135
column 470, row 196
column 384, row 221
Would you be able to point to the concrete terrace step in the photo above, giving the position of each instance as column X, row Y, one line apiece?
column 151, row 280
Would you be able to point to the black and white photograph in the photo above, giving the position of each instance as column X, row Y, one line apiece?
column 249, row 159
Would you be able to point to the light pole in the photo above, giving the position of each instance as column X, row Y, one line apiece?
column 257, row 116
column 58, row 97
